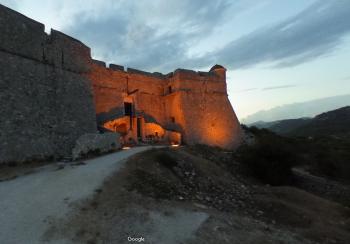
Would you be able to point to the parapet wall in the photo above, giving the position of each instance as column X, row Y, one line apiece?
column 21, row 35
column 66, row 53
column 25, row 37
column 46, row 100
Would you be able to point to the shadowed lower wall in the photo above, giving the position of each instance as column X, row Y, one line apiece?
column 45, row 100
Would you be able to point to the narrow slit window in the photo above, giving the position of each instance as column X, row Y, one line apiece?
column 128, row 109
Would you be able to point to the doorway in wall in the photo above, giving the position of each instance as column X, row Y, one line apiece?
column 139, row 129
column 127, row 108
column 128, row 112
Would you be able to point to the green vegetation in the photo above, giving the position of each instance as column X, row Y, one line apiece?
column 270, row 159
column 329, row 156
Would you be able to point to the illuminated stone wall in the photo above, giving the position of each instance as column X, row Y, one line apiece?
column 201, row 108
column 113, row 87
column 52, row 92
column 45, row 101
column 192, row 103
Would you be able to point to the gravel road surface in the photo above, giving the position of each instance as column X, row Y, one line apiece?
column 27, row 203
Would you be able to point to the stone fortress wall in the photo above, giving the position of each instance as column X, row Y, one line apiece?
column 194, row 104
column 52, row 92
column 45, row 100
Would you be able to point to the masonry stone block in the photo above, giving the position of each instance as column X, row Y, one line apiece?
column 95, row 143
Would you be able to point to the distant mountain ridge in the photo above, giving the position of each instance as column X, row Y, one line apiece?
column 299, row 110
column 282, row 127
column 332, row 123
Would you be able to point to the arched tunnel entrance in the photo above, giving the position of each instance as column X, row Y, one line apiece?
column 142, row 132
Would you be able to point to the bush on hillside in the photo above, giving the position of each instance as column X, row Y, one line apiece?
column 270, row 159
column 165, row 159
column 331, row 158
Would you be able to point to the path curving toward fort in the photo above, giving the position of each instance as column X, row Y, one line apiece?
column 28, row 203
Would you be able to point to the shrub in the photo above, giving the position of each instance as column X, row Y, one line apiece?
column 165, row 159
column 270, row 159
column 331, row 159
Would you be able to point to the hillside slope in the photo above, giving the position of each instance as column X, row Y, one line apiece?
column 333, row 123
column 282, row 127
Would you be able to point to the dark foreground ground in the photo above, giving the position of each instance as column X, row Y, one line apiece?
column 199, row 195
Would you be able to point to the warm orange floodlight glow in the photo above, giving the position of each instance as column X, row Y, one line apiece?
column 162, row 112
column 174, row 144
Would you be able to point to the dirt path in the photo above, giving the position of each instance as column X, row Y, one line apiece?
column 28, row 203
column 172, row 196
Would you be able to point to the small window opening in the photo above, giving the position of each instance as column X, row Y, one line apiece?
column 170, row 89
column 172, row 119
column 128, row 109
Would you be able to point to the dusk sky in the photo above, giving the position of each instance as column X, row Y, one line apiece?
column 276, row 52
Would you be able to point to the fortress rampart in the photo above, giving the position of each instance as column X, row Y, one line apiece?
column 52, row 92
column 194, row 104
column 45, row 101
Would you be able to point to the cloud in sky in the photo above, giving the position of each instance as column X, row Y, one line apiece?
column 314, row 32
column 160, row 39
column 247, row 90
column 277, row 87
column 159, row 35
column 268, row 88
column 153, row 35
